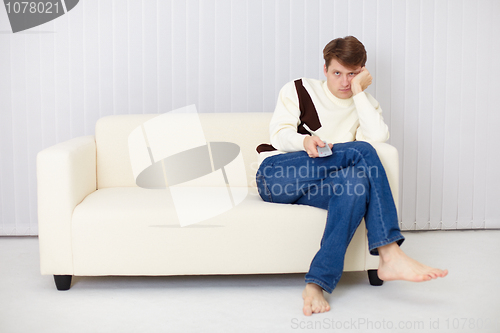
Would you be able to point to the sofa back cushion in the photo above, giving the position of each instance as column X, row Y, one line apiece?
column 114, row 168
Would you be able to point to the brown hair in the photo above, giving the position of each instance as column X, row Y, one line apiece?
column 348, row 51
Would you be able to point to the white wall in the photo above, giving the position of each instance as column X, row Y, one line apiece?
column 435, row 65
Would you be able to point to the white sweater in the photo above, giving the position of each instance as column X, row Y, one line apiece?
column 341, row 120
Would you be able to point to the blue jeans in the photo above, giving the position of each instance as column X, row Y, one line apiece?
column 351, row 184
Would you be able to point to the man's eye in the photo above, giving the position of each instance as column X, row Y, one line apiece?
column 352, row 74
column 336, row 73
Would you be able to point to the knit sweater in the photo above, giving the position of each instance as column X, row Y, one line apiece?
column 306, row 106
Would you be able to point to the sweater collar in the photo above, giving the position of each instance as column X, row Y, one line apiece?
column 339, row 101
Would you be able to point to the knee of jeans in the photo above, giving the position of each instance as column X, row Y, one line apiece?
column 364, row 146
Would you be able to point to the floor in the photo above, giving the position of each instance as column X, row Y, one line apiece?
column 467, row 300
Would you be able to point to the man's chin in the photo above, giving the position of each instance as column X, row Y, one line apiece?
column 345, row 94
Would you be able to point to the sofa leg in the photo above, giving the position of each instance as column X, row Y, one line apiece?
column 63, row 282
column 373, row 277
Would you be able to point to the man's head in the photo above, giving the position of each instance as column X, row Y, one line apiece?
column 344, row 59
column 348, row 51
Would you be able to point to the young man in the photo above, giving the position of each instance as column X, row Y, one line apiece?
column 350, row 183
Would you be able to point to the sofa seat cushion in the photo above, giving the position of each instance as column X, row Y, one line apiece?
column 135, row 231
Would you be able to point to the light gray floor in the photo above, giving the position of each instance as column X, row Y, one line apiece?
column 468, row 300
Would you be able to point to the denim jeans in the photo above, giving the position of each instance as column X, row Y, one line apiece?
column 351, row 184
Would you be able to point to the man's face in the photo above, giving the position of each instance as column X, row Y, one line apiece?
column 338, row 79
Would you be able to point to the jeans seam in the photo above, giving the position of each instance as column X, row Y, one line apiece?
column 298, row 157
column 376, row 192
column 266, row 189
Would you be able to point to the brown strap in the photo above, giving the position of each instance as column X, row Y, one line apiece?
column 265, row 147
column 308, row 115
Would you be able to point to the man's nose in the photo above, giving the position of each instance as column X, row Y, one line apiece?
column 345, row 80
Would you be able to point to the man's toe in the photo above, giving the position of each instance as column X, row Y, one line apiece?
column 308, row 307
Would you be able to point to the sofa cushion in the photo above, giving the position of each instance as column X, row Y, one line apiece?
column 135, row 231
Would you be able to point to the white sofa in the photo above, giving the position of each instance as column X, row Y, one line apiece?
column 94, row 220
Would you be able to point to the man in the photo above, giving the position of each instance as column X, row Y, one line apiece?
column 350, row 183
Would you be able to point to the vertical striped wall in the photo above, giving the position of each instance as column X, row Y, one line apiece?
column 435, row 65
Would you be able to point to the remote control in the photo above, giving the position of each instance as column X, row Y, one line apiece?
column 325, row 151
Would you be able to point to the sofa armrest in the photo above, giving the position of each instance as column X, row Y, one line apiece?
column 66, row 174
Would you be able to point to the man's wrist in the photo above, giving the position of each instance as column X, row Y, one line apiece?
column 356, row 89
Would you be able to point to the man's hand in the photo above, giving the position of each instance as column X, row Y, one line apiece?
column 361, row 81
column 311, row 143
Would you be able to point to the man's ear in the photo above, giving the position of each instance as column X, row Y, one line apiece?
column 325, row 69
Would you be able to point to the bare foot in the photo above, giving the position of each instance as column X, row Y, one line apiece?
column 314, row 301
column 396, row 265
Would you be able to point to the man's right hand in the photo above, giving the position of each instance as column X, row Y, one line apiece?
column 311, row 143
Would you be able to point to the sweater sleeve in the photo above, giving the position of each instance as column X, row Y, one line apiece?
column 285, row 120
column 372, row 127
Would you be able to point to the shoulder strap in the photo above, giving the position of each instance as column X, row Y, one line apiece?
column 308, row 113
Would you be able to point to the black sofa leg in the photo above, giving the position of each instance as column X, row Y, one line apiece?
column 373, row 277
column 63, row 282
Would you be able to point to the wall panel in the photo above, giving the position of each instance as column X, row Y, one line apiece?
column 433, row 64
column 492, row 213
column 424, row 115
column 452, row 114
